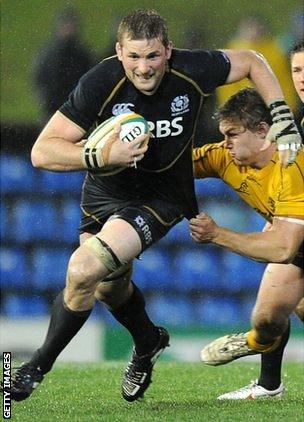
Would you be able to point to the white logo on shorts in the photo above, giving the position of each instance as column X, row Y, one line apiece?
column 122, row 108
column 141, row 222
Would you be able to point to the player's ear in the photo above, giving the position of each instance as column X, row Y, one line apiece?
column 263, row 129
column 118, row 49
column 169, row 50
column 266, row 144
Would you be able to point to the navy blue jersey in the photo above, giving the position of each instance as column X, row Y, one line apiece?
column 166, row 171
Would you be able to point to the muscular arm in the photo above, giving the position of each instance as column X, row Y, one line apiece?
column 278, row 244
column 252, row 65
column 55, row 147
column 58, row 147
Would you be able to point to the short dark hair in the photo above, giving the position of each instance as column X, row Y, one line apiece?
column 297, row 48
column 247, row 107
column 143, row 24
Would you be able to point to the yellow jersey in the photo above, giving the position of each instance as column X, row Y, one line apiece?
column 271, row 191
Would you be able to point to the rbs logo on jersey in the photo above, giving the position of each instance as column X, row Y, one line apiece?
column 164, row 128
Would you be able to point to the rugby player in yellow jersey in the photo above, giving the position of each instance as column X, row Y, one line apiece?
column 252, row 169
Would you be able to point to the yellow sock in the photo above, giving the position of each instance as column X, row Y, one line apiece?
column 261, row 347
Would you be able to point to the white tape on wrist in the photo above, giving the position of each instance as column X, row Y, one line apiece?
column 283, row 147
column 92, row 158
column 280, row 111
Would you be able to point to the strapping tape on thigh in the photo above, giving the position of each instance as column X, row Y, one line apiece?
column 104, row 252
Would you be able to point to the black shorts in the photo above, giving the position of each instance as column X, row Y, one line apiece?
column 151, row 219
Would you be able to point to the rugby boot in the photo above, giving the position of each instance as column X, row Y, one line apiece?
column 233, row 346
column 137, row 377
column 24, row 381
column 226, row 349
column 253, row 391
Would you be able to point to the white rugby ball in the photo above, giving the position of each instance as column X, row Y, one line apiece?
column 132, row 125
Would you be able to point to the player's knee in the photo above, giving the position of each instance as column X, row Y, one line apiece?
column 270, row 322
column 82, row 274
column 91, row 263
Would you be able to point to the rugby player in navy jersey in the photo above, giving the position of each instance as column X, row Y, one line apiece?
column 130, row 209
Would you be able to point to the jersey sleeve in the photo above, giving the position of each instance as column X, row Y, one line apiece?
column 209, row 69
column 85, row 101
column 290, row 201
column 210, row 160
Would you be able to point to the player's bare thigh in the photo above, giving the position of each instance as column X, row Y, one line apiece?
column 86, row 269
column 112, row 293
column 282, row 288
column 120, row 236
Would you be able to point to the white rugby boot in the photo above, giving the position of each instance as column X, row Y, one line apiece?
column 253, row 391
column 226, row 349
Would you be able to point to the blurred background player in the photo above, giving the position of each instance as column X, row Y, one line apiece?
column 294, row 33
column 206, row 128
column 60, row 63
column 254, row 33
column 245, row 120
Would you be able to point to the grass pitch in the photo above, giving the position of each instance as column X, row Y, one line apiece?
column 180, row 392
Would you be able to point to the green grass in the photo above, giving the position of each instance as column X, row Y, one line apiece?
column 180, row 392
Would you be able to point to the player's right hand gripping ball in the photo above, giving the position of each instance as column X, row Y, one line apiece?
column 97, row 148
column 284, row 131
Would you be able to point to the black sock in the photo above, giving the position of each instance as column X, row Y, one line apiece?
column 271, row 364
column 133, row 316
column 64, row 325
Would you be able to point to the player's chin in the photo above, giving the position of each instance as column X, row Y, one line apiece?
column 147, row 85
column 239, row 162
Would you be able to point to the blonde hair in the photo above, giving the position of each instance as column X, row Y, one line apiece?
column 143, row 24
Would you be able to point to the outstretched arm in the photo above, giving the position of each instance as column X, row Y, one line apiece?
column 278, row 244
column 252, row 65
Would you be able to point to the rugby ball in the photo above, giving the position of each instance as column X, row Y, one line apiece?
column 132, row 125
